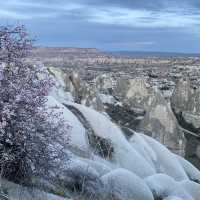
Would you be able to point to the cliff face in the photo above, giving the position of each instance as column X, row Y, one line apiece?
column 59, row 51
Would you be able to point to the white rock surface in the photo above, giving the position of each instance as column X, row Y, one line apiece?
column 124, row 155
column 166, row 162
column 138, row 168
column 76, row 130
column 126, row 186
column 17, row 192
column 163, row 186
column 192, row 172
column 192, row 188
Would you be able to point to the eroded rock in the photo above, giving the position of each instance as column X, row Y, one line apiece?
column 185, row 103
column 159, row 120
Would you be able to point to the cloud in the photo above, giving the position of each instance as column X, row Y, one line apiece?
column 21, row 9
column 154, row 5
column 144, row 18
column 169, row 17
column 7, row 14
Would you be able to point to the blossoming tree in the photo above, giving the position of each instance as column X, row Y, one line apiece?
column 27, row 133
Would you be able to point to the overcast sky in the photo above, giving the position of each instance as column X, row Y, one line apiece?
column 137, row 25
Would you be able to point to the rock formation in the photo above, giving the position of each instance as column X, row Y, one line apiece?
column 159, row 120
column 185, row 103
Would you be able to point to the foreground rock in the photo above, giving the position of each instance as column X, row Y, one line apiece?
column 121, row 184
column 105, row 163
column 13, row 191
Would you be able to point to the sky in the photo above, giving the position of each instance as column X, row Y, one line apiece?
column 109, row 25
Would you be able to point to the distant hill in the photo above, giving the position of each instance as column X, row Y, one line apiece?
column 143, row 54
column 64, row 52
column 69, row 53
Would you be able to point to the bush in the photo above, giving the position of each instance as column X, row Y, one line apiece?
column 30, row 140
